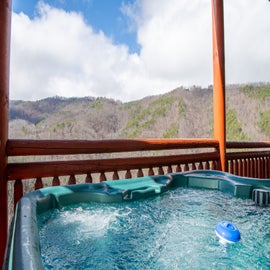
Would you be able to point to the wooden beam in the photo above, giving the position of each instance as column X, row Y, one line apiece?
column 219, row 79
column 70, row 147
column 245, row 144
column 5, row 22
column 60, row 168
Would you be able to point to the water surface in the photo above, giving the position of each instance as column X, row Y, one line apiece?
column 173, row 231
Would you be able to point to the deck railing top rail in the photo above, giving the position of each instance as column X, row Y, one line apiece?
column 69, row 147
column 245, row 144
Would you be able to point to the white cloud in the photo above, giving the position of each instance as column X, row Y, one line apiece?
column 57, row 53
column 247, row 40
column 176, row 40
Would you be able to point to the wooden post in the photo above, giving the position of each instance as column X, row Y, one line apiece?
column 219, row 79
column 5, row 22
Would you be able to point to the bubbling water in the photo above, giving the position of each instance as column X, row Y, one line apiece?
column 173, row 231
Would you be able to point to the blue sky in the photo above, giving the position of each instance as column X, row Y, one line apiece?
column 128, row 49
column 103, row 15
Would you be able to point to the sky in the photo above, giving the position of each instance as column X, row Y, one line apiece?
column 129, row 49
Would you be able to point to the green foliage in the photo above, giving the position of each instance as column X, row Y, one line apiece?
column 97, row 104
column 163, row 101
column 264, row 122
column 139, row 117
column 181, row 107
column 259, row 92
column 145, row 125
column 64, row 125
column 172, row 132
column 159, row 111
column 145, row 118
column 233, row 127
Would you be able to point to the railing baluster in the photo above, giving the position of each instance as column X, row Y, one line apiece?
column 128, row 174
column 18, row 191
column 151, row 171
column 140, row 173
column 186, row 167
column 244, row 168
column 56, row 181
column 240, row 167
column 207, row 166
column 178, row 168
column 169, row 169
column 72, row 180
column 115, row 175
column 255, row 166
column 230, row 166
column 160, row 170
column 102, row 177
column 267, row 167
column 251, row 167
column 262, row 168
column 235, row 168
column 38, row 183
column 89, row 178
column 248, row 168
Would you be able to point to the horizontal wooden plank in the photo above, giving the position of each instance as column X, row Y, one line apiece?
column 243, row 144
column 247, row 155
column 59, row 168
column 66, row 147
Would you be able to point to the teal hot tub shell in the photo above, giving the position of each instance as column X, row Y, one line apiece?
column 23, row 249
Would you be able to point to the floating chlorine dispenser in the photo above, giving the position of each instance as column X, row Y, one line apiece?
column 227, row 232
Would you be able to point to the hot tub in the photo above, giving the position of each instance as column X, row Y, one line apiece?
column 154, row 218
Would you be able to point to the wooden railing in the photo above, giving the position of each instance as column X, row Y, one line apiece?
column 244, row 162
column 137, row 159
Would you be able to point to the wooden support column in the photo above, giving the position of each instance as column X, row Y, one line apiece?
column 5, row 24
column 219, row 79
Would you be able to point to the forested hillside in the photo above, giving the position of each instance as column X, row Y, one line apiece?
column 182, row 113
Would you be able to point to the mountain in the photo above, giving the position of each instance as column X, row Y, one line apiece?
column 182, row 113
